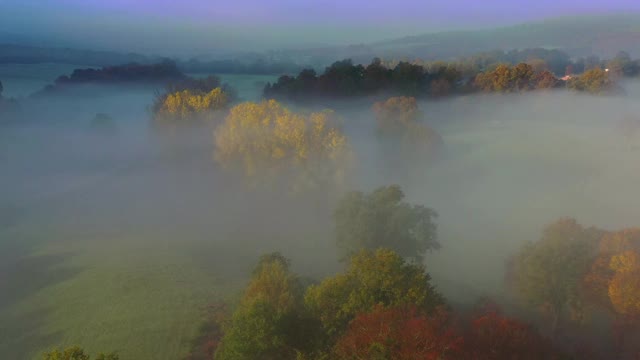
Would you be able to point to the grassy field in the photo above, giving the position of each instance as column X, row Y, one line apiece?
column 107, row 294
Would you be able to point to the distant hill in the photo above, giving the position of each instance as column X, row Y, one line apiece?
column 26, row 54
column 579, row 36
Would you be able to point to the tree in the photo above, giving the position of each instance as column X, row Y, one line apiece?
column 548, row 273
column 76, row 353
column 269, row 322
column 398, row 122
column 189, row 104
column 545, row 80
column 506, row 79
column 396, row 114
column 376, row 77
column 399, row 333
column 373, row 278
column 1, row 89
column 594, row 81
column 493, row 336
column 624, row 288
column 268, row 143
column 598, row 279
column 382, row 219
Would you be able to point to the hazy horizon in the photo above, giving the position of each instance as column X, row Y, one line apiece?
column 196, row 26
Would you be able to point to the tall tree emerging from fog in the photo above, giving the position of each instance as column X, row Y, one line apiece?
column 374, row 280
column 382, row 219
column 407, row 143
column 269, row 143
column 1, row 89
column 548, row 273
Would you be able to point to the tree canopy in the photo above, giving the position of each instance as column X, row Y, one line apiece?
column 76, row 353
column 382, row 219
column 594, row 81
column 548, row 273
column 269, row 321
column 269, row 143
column 373, row 278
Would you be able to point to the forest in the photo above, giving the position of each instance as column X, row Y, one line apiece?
column 514, row 71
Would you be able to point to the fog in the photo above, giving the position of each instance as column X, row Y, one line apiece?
column 77, row 201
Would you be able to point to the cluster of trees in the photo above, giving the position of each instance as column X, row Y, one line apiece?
column 384, row 306
column 574, row 273
column 344, row 79
column 518, row 78
column 379, row 307
column 133, row 73
column 594, row 81
column 553, row 60
column 513, row 71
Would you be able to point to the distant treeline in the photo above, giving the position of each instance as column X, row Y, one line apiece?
column 232, row 66
column 514, row 71
column 146, row 74
column 21, row 54
column 254, row 64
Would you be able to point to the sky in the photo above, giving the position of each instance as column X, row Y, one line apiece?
column 164, row 26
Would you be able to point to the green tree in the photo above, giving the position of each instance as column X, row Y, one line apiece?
column 548, row 273
column 382, row 219
column 76, row 353
column 270, row 321
column 373, row 278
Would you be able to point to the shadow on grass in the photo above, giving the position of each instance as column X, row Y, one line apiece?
column 21, row 278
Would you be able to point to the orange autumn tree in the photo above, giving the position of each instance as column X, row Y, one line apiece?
column 600, row 275
column 399, row 333
column 624, row 288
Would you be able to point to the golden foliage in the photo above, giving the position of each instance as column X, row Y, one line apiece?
column 187, row 104
column 267, row 141
column 624, row 289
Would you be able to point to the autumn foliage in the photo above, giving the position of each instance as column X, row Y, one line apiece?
column 492, row 336
column 267, row 142
column 399, row 333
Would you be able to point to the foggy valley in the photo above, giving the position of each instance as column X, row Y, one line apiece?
column 170, row 210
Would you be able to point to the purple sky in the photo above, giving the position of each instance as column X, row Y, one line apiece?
column 267, row 23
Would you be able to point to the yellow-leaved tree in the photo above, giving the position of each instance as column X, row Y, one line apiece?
column 624, row 289
column 188, row 105
column 269, row 143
